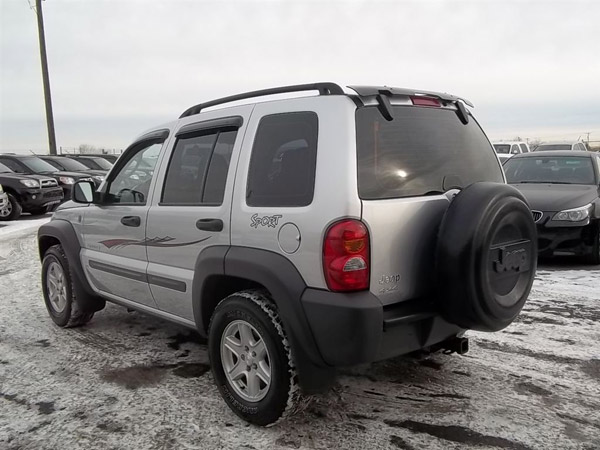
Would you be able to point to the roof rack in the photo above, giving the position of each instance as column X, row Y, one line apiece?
column 323, row 88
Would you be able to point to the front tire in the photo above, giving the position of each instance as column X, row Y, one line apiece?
column 38, row 211
column 59, row 295
column 594, row 257
column 12, row 211
column 251, row 358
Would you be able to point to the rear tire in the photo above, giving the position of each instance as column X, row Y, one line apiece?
column 59, row 295
column 13, row 210
column 251, row 359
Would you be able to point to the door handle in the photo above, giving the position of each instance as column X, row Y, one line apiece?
column 131, row 221
column 209, row 224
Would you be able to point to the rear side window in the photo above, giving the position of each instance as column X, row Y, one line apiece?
column 283, row 161
column 523, row 148
column 197, row 172
column 422, row 151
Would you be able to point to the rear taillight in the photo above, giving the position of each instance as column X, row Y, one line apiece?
column 418, row 100
column 346, row 256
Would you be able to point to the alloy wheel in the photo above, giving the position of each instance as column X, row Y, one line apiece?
column 57, row 287
column 246, row 361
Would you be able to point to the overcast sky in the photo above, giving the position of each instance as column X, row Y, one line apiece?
column 119, row 67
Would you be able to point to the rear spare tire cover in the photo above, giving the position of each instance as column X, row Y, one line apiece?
column 486, row 257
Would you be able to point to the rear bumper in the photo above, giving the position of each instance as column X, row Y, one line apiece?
column 38, row 198
column 355, row 328
column 573, row 240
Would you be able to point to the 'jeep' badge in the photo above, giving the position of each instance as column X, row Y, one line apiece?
column 513, row 257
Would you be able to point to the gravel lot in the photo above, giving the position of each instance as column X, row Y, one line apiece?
column 131, row 381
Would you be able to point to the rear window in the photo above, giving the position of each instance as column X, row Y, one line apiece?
column 547, row 169
column 546, row 147
column 422, row 151
column 502, row 148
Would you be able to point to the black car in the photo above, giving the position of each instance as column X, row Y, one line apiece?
column 35, row 194
column 563, row 191
column 30, row 164
column 69, row 164
column 93, row 162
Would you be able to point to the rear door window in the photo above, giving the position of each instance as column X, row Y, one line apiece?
column 523, row 148
column 197, row 172
column 283, row 161
column 422, row 151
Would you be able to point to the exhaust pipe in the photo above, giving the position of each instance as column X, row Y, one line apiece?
column 458, row 345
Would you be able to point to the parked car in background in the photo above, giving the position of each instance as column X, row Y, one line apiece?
column 563, row 190
column 34, row 194
column 3, row 202
column 93, row 162
column 64, row 163
column 558, row 146
column 29, row 165
column 506, row 149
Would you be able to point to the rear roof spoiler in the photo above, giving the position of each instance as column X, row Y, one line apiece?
column 369, row 91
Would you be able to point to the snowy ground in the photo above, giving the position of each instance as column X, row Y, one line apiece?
column 131, row 381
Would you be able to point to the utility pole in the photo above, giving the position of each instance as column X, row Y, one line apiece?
column 45, row 78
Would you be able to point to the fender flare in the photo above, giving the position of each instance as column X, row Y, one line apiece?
column 63, row 232
column 281, row 278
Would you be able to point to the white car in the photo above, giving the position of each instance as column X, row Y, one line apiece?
column 510, row 148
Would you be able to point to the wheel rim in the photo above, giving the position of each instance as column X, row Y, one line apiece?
column 246, row 361
column 56, row 286
column 7, row 210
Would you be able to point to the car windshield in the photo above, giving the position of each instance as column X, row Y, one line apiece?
column 102, row 163
column 4, row 169
column 38, row 165
column 421, row 151
column 546, row 147
column 548, row 169
column 71, row 164
column 502, row 148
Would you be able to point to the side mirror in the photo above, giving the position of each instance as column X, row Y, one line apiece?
column 83, row 192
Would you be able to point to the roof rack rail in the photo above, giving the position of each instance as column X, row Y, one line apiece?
column 323, row 88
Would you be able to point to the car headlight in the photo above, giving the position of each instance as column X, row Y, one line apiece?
column 574, row 215
column 30, row 183
column 66, row 180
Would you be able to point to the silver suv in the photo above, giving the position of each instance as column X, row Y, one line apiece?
column 300, row 235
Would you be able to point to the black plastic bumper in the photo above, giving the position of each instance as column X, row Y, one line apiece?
column 573, row 240
column 355, row 328
column 38, row 198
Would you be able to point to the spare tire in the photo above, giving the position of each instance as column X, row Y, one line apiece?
column 486, row 257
